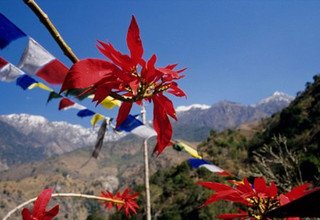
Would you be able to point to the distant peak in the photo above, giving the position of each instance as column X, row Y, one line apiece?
column 194, row 106
column 277, row 93
column 23, row 117
column 276, row 96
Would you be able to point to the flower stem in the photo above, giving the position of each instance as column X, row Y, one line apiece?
column 77, row 195
column 43, row 17
column 45, row 20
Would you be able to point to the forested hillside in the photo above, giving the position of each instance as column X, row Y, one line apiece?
column 288, row 146
column 174, row 192
column 284, row 148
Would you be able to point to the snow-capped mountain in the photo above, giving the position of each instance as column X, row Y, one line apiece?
column 195, row 121
column 194, row 106
column 25, row 138
column 38, row 138
column 276, row 97
column 55, row 137
column 274, row 103
column 58, row 136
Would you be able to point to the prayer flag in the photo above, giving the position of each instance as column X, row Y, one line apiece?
column 182, row 146
column 100, row 137
column 197, row 163
column 27, row 82
column 110, row 102
column 53, row 95
column 133, row 125
column 41, row 86
column 54, row 72
column 78, row 93
column 66, row 103
column 3, row 62
column 8, row 31
column 85, row 113
column 8, row 72
column 144, row 132
column 129, row 124
column 38, row 61
column 97, row 117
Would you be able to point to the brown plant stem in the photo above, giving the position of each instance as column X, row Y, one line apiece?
column 43, row 17
column 77, row 195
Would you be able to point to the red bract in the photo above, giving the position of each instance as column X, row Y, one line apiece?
column 223, row 192
column 295, row 193
column 129, row 201
column 39, row 209
column 131, row 79
column 258, row 197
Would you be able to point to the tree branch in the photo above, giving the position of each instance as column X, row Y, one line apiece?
column 77, row 195
column 276, row 161
column 43, row 17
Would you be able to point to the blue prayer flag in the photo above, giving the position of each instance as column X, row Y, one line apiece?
column 8, row 31
column 129, row 124
column 85, row 113
column 196, row 163
column 25, row 81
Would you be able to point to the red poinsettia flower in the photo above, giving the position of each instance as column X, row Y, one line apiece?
column 294, row 193
column 130, row 201
column 39, row 209
column 131, row 79
column 258, row 197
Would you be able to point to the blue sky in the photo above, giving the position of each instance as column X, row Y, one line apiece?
column 240, row 51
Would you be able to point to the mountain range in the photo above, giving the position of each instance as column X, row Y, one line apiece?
column 283, row 149
column 25, row 138
column 195, row 121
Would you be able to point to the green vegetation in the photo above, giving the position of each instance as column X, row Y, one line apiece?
column 284, row 148
column 226, row 149
column 175, row 194
column 287, row 145
column 299, row 125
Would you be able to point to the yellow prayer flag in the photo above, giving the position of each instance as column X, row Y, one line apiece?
column 190, row 150
column 110, row 102
column 97, row 117
column 41, row 86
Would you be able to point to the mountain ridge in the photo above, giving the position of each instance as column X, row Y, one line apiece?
column 26, row 138
column 42, row 138
column 195, row 124
column 276, row 96
column 118, row 162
